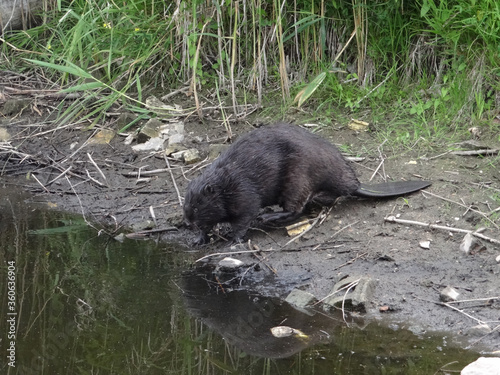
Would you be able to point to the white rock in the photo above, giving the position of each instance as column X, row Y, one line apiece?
column 467, row 243
column 448, row 294
column 425, row 244
column 154, row 144
column 483, row 366
column 230, row 263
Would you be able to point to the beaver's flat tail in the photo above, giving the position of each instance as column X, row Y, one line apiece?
column 390, row 189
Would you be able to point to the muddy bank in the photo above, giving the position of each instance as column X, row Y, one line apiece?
column 122, row 191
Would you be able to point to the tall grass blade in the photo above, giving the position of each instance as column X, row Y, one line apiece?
column 305, row 93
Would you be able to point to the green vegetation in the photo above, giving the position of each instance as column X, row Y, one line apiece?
column 415, row 69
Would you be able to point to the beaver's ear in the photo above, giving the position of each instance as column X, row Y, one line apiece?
column 208, row 189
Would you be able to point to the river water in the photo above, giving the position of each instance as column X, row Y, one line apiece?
column 76, row 301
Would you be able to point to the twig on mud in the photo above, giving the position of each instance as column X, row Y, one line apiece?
column 202, row 164
column 262, row 260
column 37, row 180
column 442, row 368
column 463, row 205
column 438, row 156
column 475, row 300
column 493, row 211
column 484, row 185
column 393, row 219
column 348, row 288
column 343, row 228
column 316, row 220
column 482, row 337
column 327, row 213
column 152, row 172
column 79, row 201
column 144, row 233
column 93, row 179
column 460, row 311
column 60, row 175
column 486, row 152
column 381, row 164
column 97, row 167
column 152, row 212
column 79, row 148
column 40, row 94
column 73, row 124
column 451, row 307
column 351, row 261
column 352, row 285
column 244, row 274
column 173, row 178
column 183, row 90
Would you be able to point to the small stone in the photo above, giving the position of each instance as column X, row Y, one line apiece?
column 284, row 331
column 4, row 135
column 483, row 366
column 175, row 148
column 479, row 330
column 104, row 136
column 154, row 144
column 230, row 264
column 448, row 294
column 150, row 130
column 157, row 106
column 175, row 139
column 120, row 237
column 361, row 290
column 467, row 243
column 300, row 298
column 425, row 244
column 497, row 259
column 188, row 156
column 143, row 225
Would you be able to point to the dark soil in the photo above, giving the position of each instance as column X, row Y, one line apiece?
column 353, row 240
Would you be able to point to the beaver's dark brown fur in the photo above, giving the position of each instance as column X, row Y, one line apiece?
column 281, row 165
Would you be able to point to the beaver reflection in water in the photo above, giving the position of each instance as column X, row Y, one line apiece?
column 281, row 165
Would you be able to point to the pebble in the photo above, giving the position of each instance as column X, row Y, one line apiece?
column 300, row 298
column 448, row 294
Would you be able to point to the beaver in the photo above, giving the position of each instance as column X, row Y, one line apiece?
column 280, row 164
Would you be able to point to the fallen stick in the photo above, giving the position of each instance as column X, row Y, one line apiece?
column 393, row 219
column 476, row 152
column 462, row 205
column 173, row 179
column 97, row 167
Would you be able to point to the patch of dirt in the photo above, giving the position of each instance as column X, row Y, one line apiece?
column 72, row 173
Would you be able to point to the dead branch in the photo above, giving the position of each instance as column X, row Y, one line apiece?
column 97, row 167
column 393, row 219
column 173, row 178
column 462, row 205
column 486, row 152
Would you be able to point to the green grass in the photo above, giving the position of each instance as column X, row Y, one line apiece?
column 433, row 66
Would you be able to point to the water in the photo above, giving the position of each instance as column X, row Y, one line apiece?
column 86, row 304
